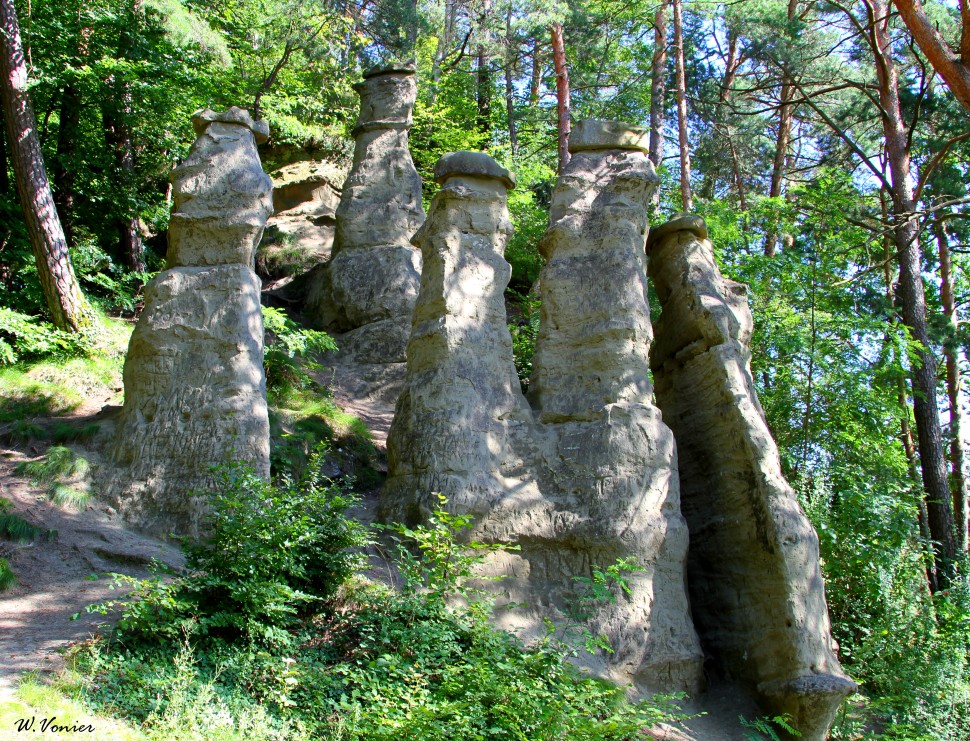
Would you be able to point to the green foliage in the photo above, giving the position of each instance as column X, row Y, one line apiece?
column 14, row 527
column 372, row 664
column 767, row 728
column 289, row 343
column 59, row 463
column 272, row 551
column 7, row 577
column 524, row 330
column 25, row 337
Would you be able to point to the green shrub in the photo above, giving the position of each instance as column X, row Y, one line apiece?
column 25, row 337
column 287, row 344
column 524, row 331
column 272, row 552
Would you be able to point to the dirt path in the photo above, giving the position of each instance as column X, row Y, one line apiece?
column 59, row 577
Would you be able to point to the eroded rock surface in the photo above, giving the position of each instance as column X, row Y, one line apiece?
column 195, row 390
column 461, row 416
column 592, row 478
column 299, row 235
column 611, row 463
column 371, row 282
column 756, row 589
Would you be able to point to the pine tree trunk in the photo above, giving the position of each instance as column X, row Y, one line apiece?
column 562, row 93
column 958, row 482
column 658, row 88
column 61, row 291
column 484, row 93
column 535, row 83
column 913, row 302
column 783, row 140
column 687, row 198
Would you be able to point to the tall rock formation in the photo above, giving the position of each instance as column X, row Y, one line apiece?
column 461, row 415
column 756, row 589
column 195, row 390
column 594, row 479
column 611, row 462
column 369, row 287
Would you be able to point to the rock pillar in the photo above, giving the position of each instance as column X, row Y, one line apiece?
column 195, row 391
column 461, row 420
column 369, row 287
column 756, row 589
column 609, row 462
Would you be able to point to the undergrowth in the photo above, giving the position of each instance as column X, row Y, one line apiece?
column 268, row 630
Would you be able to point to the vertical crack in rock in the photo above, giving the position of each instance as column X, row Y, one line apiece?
column 368, row 288
column 609, row 462
column 756, row 588
column 195, row 390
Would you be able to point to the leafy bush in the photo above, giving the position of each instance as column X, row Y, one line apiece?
column 25, row 337
column 524, row 331
column 272, row 552
column 373, row 664
column 287, row 343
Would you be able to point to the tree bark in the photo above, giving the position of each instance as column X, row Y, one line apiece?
column 953, row 68
column 687, row 198
column 913, row 300
column 658, row 87
column 119, row 140
column 4, row 178
column 562, row 93
column 958, row 481
column 61, row 291
column 783, row 140
column 535, row 83
column 511, row 57
column 484, row 92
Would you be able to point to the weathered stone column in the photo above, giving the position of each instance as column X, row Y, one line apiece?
column 755, row 584
column 610, row 463
column 195, row 391
column 369, row 287
column 461, row 421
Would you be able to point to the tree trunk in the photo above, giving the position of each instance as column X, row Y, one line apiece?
column 562, row 94
column 536, row 82
column 958, row 483
column 658, row 87
column 687, row 199
column 61, row 291
column 913, row 300
column 953, row 68
column 902, row 398
column 783, row 140
column 4, row 178
column 484, row 93
column 118, row 138
column 444, row 43
column 64, row 164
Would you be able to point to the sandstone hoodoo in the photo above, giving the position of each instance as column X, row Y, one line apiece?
column 461, row 415
column 756, row 589
column 610, row 463
column 369, row 286
column 593, row 478
column 195, row 390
